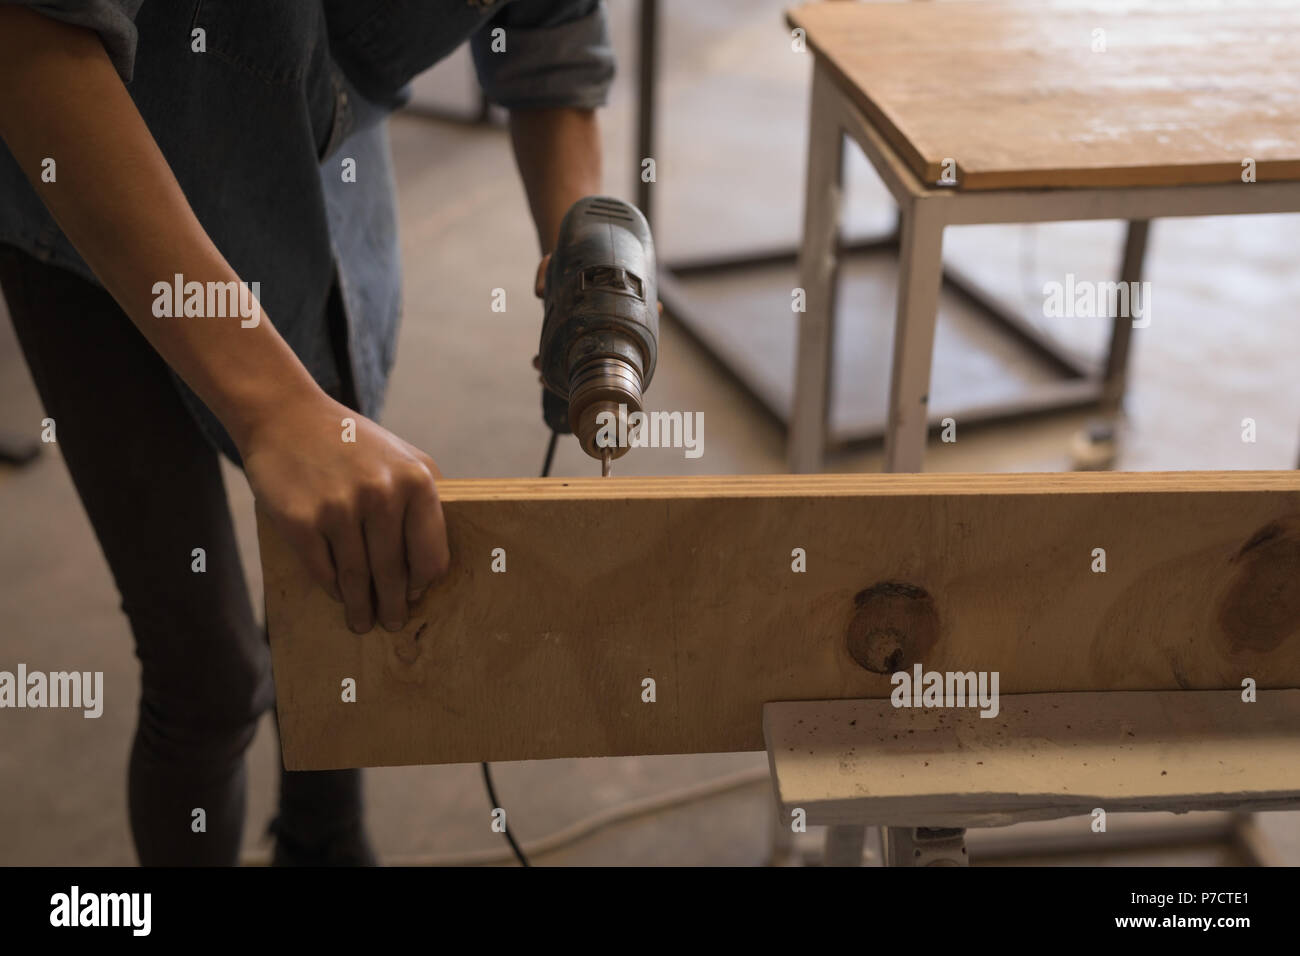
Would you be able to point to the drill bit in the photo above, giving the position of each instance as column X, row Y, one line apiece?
column 606, row 463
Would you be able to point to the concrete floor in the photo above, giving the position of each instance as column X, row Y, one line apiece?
column 1222, row 346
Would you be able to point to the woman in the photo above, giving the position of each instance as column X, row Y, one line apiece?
column 155, row 149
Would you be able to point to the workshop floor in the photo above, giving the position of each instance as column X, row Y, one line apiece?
column 1222, row 346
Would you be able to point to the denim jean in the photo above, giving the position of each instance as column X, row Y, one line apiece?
column 151, row 484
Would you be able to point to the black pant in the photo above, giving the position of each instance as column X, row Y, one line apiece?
column 151, row 484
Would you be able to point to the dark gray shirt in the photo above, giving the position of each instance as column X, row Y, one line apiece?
column 257, row 126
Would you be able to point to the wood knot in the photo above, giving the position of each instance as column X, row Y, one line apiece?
column 1261, row 607
column 406, row 644
column 895, row 626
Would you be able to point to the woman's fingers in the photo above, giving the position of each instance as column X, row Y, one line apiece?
column 363, row 517
column 383, row 532
column 348, row 546
column 427, row 554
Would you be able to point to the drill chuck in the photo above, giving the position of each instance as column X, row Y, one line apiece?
column 601, row 394
column 600, row 336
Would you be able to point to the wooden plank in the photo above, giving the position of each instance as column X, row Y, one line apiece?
column 1044, row 756
column 1013, row 91
column 688, row 581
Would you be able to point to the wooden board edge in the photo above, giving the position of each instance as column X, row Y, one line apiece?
column 863, row 484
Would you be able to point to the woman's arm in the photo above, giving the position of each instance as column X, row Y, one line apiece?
column 559, row 158
column 355, row 512
column 117, row 201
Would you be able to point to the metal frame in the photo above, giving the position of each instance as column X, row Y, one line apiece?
column 1082, row 384
column 851, row 845
column 924, row 211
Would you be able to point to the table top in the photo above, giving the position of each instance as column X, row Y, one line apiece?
column 1072, row 93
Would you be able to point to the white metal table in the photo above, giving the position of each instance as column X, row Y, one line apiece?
column 871, row 101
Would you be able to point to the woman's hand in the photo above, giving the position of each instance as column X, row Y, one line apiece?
column 357, row 504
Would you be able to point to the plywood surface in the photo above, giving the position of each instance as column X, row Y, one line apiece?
column 689, row 582
column 1015, row 93
column 1044, row 756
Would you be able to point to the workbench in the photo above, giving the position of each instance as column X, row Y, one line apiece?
column 1008, row 111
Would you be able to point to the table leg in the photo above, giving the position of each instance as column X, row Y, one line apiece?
column 782, row 838
column 920, row 273
column 647, row 111
column 818, row 271
column 844, row 845
column 1130, row 270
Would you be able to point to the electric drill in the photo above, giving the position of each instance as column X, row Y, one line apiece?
column 600, row 334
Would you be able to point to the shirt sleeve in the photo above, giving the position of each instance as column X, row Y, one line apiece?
column 113, row 20
column 548, row 53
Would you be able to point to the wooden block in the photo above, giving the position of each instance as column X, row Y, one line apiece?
column 689, row 582
column 1045, row 756
column 1016, row 94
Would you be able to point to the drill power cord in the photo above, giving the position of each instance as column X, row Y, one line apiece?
column 585, row 827
column 603, row 819
column 492, row 799
column 550, row 454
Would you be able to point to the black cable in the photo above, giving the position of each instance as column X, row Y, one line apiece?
column 487, row 770
column 492, row 796
column 550, row 453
